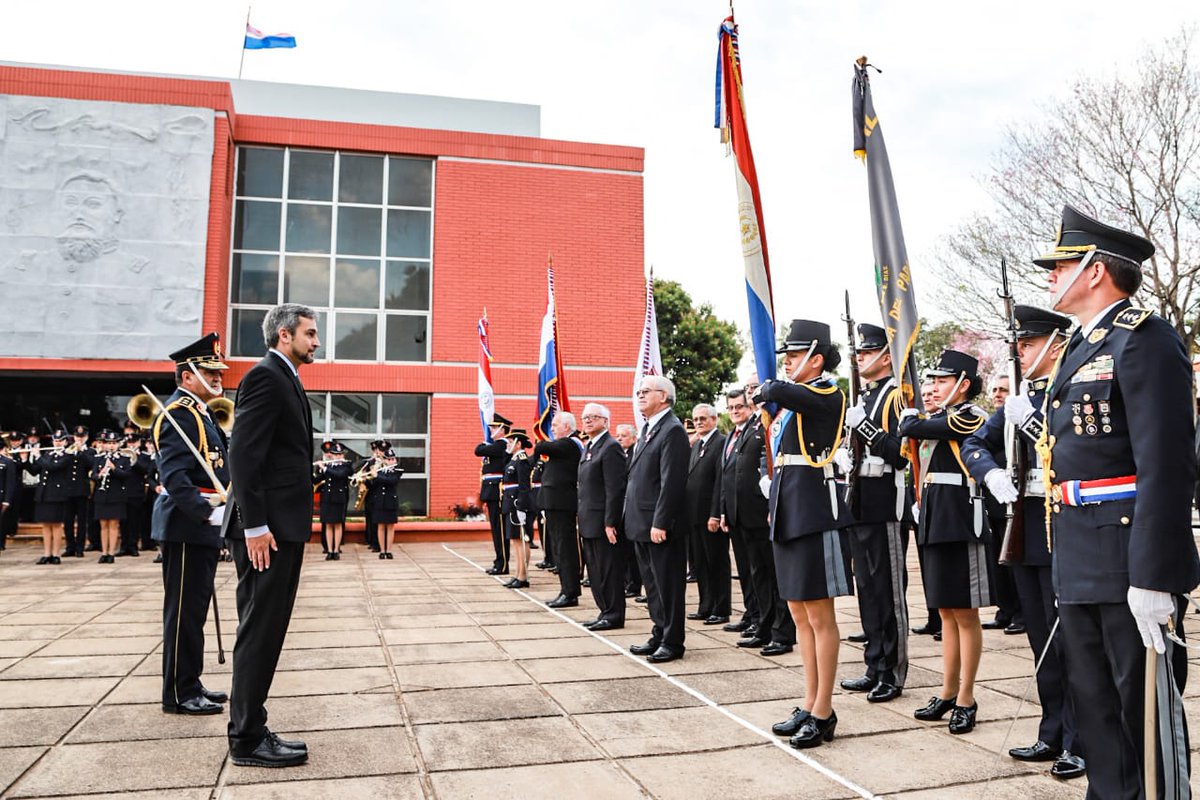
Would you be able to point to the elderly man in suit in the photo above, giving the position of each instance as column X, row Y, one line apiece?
column 656, row 518
column 601, row 496
column 710, row 545
column 558, row 499
column 270, row 458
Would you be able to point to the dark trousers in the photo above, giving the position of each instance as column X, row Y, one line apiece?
column 146, row 509
column 75, row 524
column 372, row 533
column 499, row 541
column 741, row 557
column 565, row 537
column 1107, row 661
column 131, row 526
column 1008, row 602
column 633, row 570
column 880, row 575
column 713, row 575
column 934, row 618
column 264, row 601
column 188, row 572
column 774, row 620
column 606, row 570
column 1057, row 727
column 664, row 571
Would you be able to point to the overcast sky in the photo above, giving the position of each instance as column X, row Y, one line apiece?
column 641, row 73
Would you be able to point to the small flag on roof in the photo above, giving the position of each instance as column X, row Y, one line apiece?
column 257, row 40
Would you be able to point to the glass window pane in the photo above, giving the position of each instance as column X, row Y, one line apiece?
column 310, row 176
column 260, row 172
column 407, row 286
column 411, row 455
column 309, row 228
column 322, row 353
column 360, row 179
column 256, row 225
column 412, row 497
column 408, row 234
column 356, row 283
column 247, row 332
column 405, row 413
column 306, row 280
column 406, row 337
column 410, row 182
column 358, row 231
column 353, row 413
column 356, row 335
column 255, row 279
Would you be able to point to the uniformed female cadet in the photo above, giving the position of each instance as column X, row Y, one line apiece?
column 50, row 498
column 515, row 504
column 952, row 526
column 385, row 508
column 110, row 471
column 333, row 474
column 809, row 517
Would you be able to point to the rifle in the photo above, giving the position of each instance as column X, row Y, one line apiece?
column 855, row 443
column 1012, row 547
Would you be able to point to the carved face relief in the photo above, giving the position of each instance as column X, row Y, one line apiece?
column 90, row 212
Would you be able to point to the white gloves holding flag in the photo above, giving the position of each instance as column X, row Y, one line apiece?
column 843, row 460
column 1017, row 409
column 1000, row 486
column 909, row 412
column 1151, row 610
column 764, row 485
column 217, row 515
column 855, row 415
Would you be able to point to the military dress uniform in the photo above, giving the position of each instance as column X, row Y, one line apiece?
column 10, row 486
column 495, row 458
column 1118, row 460
column 53, row 471
column 186, row 526
column 78, row 519
column 383, row 499
column 334, row 490
column 515, row 494
column 878, row 542
column 110, row 472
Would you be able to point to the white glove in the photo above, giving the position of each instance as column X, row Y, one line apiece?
column 520, row 517
column 916, row 509
column 1017, row 409
column 843, row 460
column 1000, row 486
column 217, row 515
column 909, row 412
column 764, row 485
column 1151, row 610
column 855, row 416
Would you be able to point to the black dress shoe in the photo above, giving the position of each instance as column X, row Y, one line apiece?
column 691, row 578
column 791, row 725
column 813, row 732
column 935, row 709
column 55, row 560
column 716, row 619
column 736, row 627
column 643, row 649
column 337, row 556
column 43, row 560
column 1014, row 628
column 199, row 705
column 1038, row 751
column 562, row 601
column 857, row 638
column 696, row 615
column 994, row 625
column 586, row 583
column 291, row 744
column 542, row 564
column 962, row 718
column 329, row 556
column 630, row 593
column 663, row 655
column 517, row 583
column 553, row 570
column 604, row 625
column 751, row 631
column 937, row 636
column 158, row 559
column 270, row 752
column 493, row 571
column 214, row 697
column 776, row 649
column 928, row 629
column 753, row 642
column 864, row 684
column 884, row 692
column 641, row 598
column 390, row 555
column 1068, row 766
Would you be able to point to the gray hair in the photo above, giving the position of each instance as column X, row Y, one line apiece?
column 284, row 316
column 598, row 410
column 625, row 427
column 568, row 418
column 662, row 383
column 704, row 410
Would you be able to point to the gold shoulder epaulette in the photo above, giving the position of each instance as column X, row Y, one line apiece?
column 521, row 455
column 1132, row 317
column 965, row 420
column 185, row 402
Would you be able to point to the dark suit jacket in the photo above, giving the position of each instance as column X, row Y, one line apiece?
column 270, row 453
column 739, row 497
column 560, row 474
column 703, row 465
column 654, row 494
column 601, row 488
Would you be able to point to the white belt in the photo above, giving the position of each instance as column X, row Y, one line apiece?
column 1033, row 483
column 944, row 478
column 791, row 460
column 865, row 472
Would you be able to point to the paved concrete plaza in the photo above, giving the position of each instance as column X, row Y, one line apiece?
column 422, row 677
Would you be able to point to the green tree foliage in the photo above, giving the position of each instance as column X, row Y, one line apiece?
column 932, row 340
column 700, row 353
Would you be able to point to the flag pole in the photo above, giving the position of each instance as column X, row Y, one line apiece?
column 242, row 62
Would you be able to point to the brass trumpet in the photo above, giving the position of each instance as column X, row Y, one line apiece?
column 221, row 409
column 141, row 410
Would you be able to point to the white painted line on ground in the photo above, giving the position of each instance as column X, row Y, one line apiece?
column 713, row 704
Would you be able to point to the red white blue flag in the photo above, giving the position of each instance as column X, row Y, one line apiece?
column 649, row 356
column 257, row 40
column 552, row 387
column 487, row 398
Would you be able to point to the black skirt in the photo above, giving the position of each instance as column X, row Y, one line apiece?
column 50, row 511
column 959, row 575
column 384, row 516
column 512, row 529
column 332, row 513
column 109, row 511
column 814, row 567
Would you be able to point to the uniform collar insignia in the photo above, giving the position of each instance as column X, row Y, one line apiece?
column 1097, row 335
column 1038, row 384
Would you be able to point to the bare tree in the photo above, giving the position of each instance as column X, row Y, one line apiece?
column 1125, row 150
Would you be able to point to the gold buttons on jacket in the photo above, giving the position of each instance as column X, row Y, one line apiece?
column 1057, row 508
column 1056, row 404
column 1124, row 520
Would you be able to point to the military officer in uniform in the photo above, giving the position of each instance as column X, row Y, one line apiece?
column 333, row 476
column 111, row 470
column 877, row 541
column 78, row 517
column 1118, row 460
column 53, row 469
column 515, row 501
column 495, row 457
column 186, row 523
column 10, row 485
column 1041, row 336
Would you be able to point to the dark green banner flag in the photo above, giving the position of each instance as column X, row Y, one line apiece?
column 897, row 301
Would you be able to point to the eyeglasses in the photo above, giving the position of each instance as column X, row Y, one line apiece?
column 644, row 392
column 593, row 416
column 738, row 407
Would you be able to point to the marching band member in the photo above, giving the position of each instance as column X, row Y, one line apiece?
column 333, row 476
column 383, row 499
column 52, row 469
column 110, row 472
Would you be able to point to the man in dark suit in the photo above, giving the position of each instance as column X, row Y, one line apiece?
column 270, row 458
column 601, row 497
column 656, row 519
column 710, row 545
column 1118, row 455
column 626, row 436
column 187, row 521
column 558, row 499
column 742, row 510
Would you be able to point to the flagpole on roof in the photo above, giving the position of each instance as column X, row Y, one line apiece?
column 242, row 62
